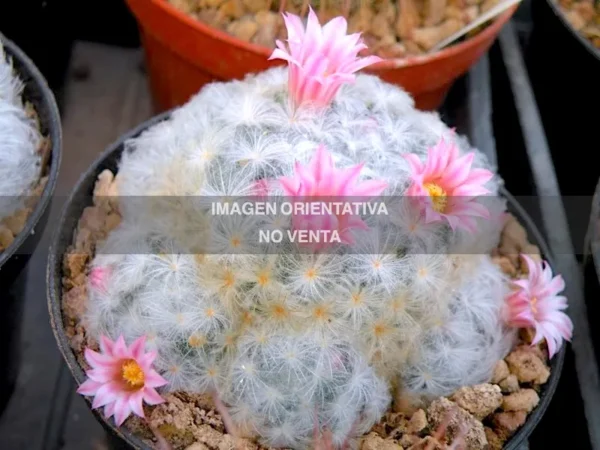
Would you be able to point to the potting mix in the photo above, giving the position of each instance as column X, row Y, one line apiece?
column 584, row 17
column 303, row 257
column 391, row 29
column 23, row 151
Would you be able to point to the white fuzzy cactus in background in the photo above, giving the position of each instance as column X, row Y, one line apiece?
column 19, row 141
column 293, row 340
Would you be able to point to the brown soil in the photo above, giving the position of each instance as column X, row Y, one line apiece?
column 391, row 29
column 584, row 17
column 11, row 226
column 487, row 414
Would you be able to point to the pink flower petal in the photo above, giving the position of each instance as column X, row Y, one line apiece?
column 97, row 360
column 552, row 347
column 295, row 28
column 523, row 284
column 360, row 64
column 333, row 29
column 280, row 54
column 289, row 185
column 473, row 209
column 457, row 171
column 135, row 403
column 120, row 349
column 154, row 380
column 101, row 375
column 147, row 359
column 556, row 285
column 469, row 190
column 532, row 268
column 109, row 410
column 106, row 394
column 106, row 345
column 321, row 166
column 137, row 348
column 479, row 176
column 152, row 397
column 346, row 177
column 539, row 337
column 122, row 410
column 370, row 188
column 416, row 166
column 89, row 387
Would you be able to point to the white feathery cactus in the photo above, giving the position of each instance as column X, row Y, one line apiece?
column 19, row 141
column 285, row 384
column 294, row 340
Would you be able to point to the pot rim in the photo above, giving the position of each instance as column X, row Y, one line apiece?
column 391, row 63
column 583, row 41
column 49, row 106
column 54, row 297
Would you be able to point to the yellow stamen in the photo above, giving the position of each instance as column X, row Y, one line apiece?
column 210, row 312
column 247, row 318
column 398, row 304
column 311, row 274
column 197, row 340
column 263, row 278
column 132, row 374
column 279, row 311
column 228, row 279
column 379, row 329
column 438, row 196
column 230, row 340
column 320, row 312
column 533, row 303
column 356, row 299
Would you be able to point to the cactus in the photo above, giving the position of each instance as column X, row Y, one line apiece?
column 19, row 141
column 294, row 340
column 287, row 385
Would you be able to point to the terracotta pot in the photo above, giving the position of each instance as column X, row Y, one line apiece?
column 183, row 54
column 14, row 259
column 81, row 197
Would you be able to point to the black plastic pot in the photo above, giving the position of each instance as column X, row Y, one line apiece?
column 565, row 69
column 15, row 257
column 591, row 268
column 81, row 197
column 44, row 30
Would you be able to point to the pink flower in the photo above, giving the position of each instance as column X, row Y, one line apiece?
column 98, row 276
column 121, row 378
column 536, row 304
column 320, row 59
column 261, row 188
column 445, row 185
column 320, row 178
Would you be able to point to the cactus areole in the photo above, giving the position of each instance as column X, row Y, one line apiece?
column 301, row 243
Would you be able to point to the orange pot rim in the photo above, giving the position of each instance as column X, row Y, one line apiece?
column 391, row 63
